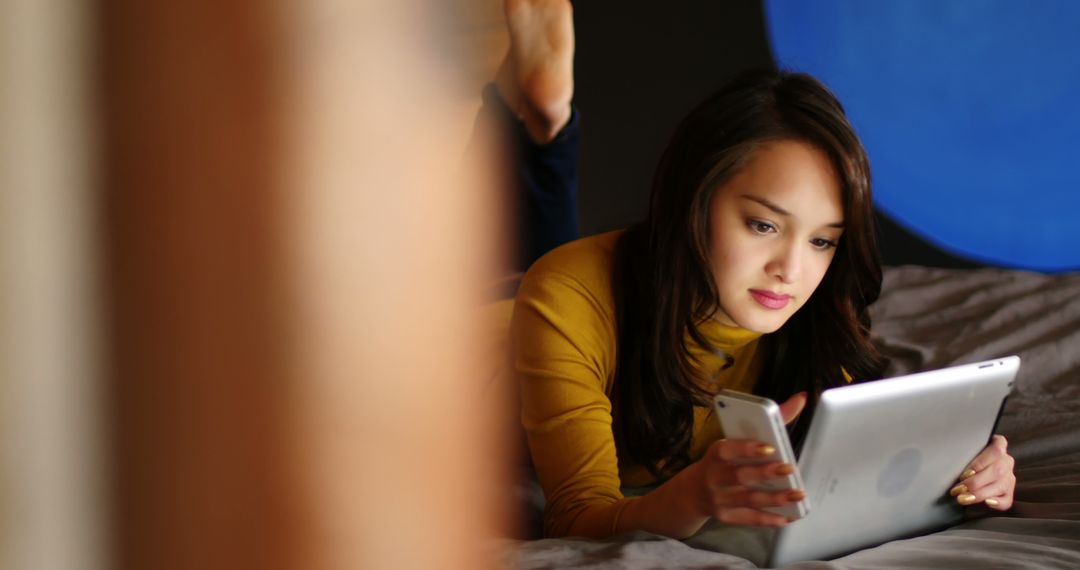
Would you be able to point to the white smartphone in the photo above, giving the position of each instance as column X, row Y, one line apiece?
column 743, row 416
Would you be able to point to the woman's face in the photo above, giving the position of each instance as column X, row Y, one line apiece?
column 774, row 229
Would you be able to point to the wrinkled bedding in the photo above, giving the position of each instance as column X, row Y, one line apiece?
column 930, row 318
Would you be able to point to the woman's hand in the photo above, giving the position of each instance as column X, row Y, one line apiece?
column 727, row 485
column 989, row 479
column 716, row 486
column 728, row 494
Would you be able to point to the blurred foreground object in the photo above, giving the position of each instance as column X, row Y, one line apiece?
column 395, row 225
column 52, row 478
column 297, row 240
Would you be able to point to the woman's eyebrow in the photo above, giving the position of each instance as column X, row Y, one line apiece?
column 776, row 208
column 767, row 203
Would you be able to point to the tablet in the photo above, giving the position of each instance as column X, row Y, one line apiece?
column 880, row 457
column 878, row 462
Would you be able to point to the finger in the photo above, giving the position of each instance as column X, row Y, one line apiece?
column 761, row 499
column 725, row 474
column 748, row 474
column 794, row 405
column 1001, row 503
column 1004, row 485
column 975, row 482
column 1000, row 490
column 743, row 496
column 997, row 448
column 996, row 490
column 1001, row 470
column 736, row 449
column 750, row 517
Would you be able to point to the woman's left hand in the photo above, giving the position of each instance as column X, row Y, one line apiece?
column 989, row 479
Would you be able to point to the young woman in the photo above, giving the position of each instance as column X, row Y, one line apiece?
column 753, row 271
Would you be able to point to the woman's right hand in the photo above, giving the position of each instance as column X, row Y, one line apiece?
column 716, row 486
column 727, row 484
column 728, row 495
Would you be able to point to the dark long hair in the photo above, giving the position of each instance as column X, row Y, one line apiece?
column 663, row 284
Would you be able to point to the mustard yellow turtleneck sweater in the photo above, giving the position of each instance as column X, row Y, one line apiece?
column 564, row 338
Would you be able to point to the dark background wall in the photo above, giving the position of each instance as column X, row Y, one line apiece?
column 640, row 67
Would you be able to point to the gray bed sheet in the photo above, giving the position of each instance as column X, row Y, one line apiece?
column 930, row 318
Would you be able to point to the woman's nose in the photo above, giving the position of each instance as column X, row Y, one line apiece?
column 785, row 264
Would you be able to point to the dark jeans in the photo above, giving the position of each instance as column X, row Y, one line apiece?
column 544, row 183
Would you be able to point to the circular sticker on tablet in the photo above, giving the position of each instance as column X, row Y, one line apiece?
column 899, row 472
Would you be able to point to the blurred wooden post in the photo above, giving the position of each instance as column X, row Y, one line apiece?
column 197, row 348
column 296, row 243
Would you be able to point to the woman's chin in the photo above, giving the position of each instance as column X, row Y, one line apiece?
column 762, row 323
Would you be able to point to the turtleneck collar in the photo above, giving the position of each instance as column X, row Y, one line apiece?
column 727, row 338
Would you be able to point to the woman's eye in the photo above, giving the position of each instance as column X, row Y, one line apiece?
column 822, row 243
column 760, row 227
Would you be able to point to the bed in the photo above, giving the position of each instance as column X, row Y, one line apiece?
column 930, row 318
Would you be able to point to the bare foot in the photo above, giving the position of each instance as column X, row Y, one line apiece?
column 537, row 77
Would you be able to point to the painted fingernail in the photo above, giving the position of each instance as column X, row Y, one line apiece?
column 796, row 495
column 958, row 490
column 968, row 473
column 992, row 502
column 785, row 469
column 764, row 450
column 966, row 499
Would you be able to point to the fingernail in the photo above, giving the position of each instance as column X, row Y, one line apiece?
column 785, row 469
column 968, row 473
column 796, row 495
column 966, row 499
column 958, row 490
column 991, row 502
column 766, row 450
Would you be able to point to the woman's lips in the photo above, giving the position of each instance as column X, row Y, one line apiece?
column 770, row 300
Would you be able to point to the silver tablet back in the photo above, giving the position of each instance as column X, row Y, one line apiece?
column 880, row 457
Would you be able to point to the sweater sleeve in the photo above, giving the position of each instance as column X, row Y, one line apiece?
column 564, row 341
